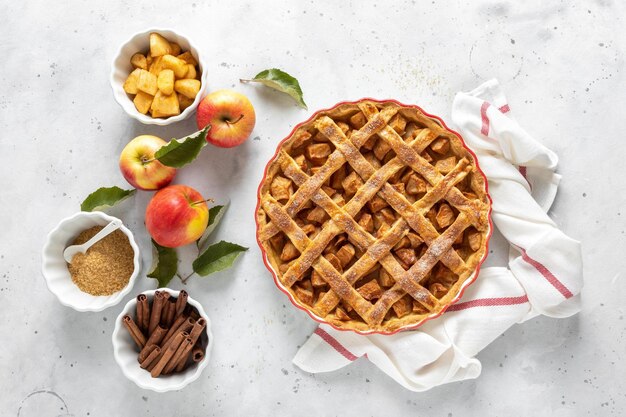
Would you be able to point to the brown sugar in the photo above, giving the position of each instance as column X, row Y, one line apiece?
column 106, row 267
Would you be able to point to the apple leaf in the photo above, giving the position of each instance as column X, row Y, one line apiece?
column 164, row 264
column 180, row 152
column 217, row 257
column 215, row 215
column 281, row 81
column 105, row 197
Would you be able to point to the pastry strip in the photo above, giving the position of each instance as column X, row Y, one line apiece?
column 330, row 300
column 334, row 162
column 433, row 152
column 475, row 210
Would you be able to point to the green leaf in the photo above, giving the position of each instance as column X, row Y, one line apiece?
column 217, row 257
column 180, row 152
column 164, row 264
column 105, row 197
column 215, row 215
column 281, row 81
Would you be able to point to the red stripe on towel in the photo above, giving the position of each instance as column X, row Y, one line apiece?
column 483, row 115
column 547, row 275
column 522, row 170
column 489, row 302
column 335, row 344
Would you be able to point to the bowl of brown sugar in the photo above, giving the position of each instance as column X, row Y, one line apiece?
column 98, row 278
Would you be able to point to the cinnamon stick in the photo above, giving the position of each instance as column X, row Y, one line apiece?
column 135, row 333
column 197, row 353
column 185, row 346
column 155, row 314
column 166, row 306
column 172, row 339
column 181, row 303
column 171, row 311
column 168, row 332
column 143, row 313
column 172, row 330
column 150, row 358
column 139, row 314
column 182, row 363
column 167, row 355
column 155, row 339
column 197, row 329
column 184, row 326
column 147, row 350
column 194, row 335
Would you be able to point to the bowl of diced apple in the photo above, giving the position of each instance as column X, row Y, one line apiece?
column 158, row 77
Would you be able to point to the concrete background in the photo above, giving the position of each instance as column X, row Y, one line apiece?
column 61, row 132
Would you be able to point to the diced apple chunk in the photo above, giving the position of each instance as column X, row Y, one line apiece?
column 142, row 102
column 164, row 105
column 156, row 66
column 139, row 61
column 130, row 85
column 184, row 101
column 176, row 49
column 191, row 72
column 159, row 46
column 165, row 81
column 177, row 65
column 147, row 82
column 187, row 87
column 188, row 58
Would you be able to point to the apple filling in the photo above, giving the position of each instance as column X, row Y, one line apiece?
column 353, row 216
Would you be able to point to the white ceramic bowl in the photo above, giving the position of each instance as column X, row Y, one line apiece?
column 125, row 351
column 54, row 267
column 140, row 42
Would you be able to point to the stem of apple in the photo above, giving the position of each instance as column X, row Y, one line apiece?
column 146, row 159
column 232, row 123
column 184, row 280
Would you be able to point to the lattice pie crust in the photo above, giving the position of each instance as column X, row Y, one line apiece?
column 373, row 216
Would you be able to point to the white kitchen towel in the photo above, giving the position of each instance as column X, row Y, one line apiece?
column 544, row 274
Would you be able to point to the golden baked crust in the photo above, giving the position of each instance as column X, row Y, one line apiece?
column 373, row 216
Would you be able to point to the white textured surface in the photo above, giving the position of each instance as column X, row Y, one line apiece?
column 562, row 66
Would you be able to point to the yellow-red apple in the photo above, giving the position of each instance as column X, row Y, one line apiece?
column 139, row 167
column 230, row 115
column 176, row 216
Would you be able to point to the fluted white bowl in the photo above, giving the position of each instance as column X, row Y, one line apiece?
column 121, row 68
column 55, row 271
column 125, row 351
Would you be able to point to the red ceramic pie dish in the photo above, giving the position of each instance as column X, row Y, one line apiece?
column 298, row 303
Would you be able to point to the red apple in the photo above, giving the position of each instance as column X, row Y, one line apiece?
column 176, row 216
column 139, row 167
column 230, row 115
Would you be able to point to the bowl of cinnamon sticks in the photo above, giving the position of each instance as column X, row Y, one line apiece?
column 162, row 340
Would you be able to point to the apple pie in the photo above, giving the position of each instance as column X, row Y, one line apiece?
column 373, row 216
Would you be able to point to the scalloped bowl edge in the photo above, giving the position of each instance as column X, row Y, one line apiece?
column 126, row 355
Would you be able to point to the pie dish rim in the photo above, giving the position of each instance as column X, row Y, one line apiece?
column 429, row 317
